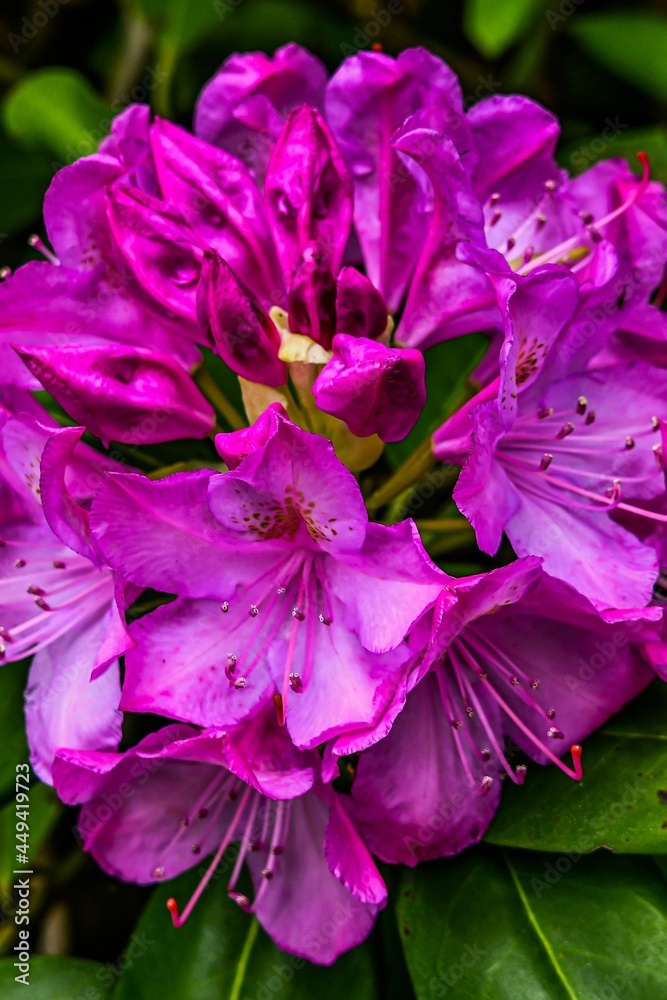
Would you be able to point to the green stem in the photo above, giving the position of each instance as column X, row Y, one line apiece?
column 216, row 396
column 244, row 958
column 407, row 474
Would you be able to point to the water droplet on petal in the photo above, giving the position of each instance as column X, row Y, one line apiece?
column 554, row 734
column 158, row 872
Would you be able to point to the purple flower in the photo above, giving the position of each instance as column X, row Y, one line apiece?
column 286, row 591
column 552, row 449
column 512, row 653
column 182, row 794
column 58, row 601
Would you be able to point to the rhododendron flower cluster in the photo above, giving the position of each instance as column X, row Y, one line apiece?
column 205, row 550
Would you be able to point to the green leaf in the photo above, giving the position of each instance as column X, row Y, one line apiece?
column 500, row 927
column 631, row 45
column 448, row 366
column 56, row 110
column 223, row 952
column 13, row 677
column 621, row 802
column 55, row 978
column 492, row 27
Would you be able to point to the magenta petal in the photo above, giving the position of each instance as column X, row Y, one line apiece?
column 368, row 98
column 122, row 393
column 308, row 192
column 234, row 446
column 311, row 301
column 374, row 389
column 259, row 753
column 448, row 295
column 43, row 305
column 360, row 309
column 64, row 707
column 132, row 819
column 484, row 492
column 242, row 333
column 535, row 310
column 162, row 534
column 387, row 585
column 348, row 856
column 161, row 249
column 412, row 798
column 302, row 906
column 178, row 666
column 292, row 491
column 502, row 161
column 347, row 687
column 227, row 110
column 220, row 200
column 66, row 516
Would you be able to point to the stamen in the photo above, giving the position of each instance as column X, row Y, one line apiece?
column 582, row 403
column 556, row 253
column 546, row 461
column 224, row 607
column 5, row 272
column 41, row 247
column 280, row 708
column 172, row 905
column 496, row 217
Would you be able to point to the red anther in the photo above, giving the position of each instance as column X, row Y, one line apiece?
column 280, row 708
column 576, row 761
column 172, row 906
column 377, row 47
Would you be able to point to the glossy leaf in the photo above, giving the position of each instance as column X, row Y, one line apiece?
column 55, row 978
column 631, row 44
column 497, row 926
column 621, row 802
column 57, row 110
column 492, row 27
column 223, row 952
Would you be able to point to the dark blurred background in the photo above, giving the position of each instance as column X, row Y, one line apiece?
column 66, row 66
